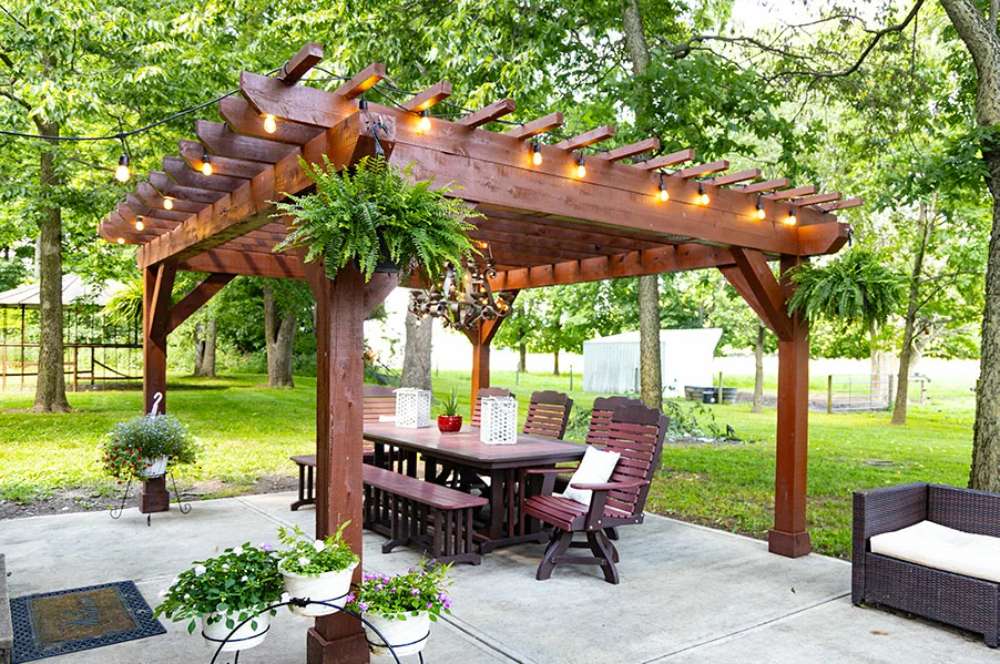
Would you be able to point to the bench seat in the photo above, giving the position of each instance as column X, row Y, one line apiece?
column 307, row 473
column 412, row 511
column 939, row 547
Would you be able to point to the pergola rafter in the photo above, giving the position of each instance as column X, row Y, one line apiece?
column 546, row 222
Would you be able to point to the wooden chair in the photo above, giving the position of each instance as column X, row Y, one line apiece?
column 486, row 392
column 548, row 414
column 378, row 400
column 634, row 431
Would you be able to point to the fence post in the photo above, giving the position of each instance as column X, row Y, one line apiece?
column 829, row 394
column 888, row 399
column 571, row 378
column 76, row 368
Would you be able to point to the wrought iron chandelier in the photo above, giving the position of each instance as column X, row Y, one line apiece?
column 463, row 303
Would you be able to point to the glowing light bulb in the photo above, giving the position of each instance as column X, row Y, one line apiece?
column 168, row 203
column 206, row 166
column 703, row 198
column 759, row 213
column 790, row 220
column 122, row 173
column 120, row 240
column 663, row 194
column 536, row 154
column 270, row 124
column 424, row 124
column 581, row 168
column 138, row 224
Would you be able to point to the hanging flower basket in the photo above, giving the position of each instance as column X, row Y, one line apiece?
column 216, row 628
column 317, row 570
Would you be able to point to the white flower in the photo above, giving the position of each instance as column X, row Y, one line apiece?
column 319, row 545
column 245, row 578
column 225, row 567
column 238, row 551
column 199, row 570
column 304, row 561
column 285, row 597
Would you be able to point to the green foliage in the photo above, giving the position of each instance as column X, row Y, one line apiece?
column 233, row 586
column 855, row 287
column 13, row 272
column 131, row 443
column 372, row 214
column 125, row 306
column 308, row 557
column 421, row 589
column 694, row 421
column 449, row 405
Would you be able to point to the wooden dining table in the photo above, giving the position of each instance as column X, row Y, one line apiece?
column 446, row 455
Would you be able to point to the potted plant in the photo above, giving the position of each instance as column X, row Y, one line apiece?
column 449, row 421
column 401, row 608
column 374, row 216
column 319, row 570
column 143, row 446
column 223, row 592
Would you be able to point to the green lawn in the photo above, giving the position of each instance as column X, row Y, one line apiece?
column 248, row 431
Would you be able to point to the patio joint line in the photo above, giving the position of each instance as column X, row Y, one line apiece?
column 744, row 630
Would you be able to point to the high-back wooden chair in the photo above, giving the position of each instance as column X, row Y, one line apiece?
column 548, row 414
column 634, row 431
column 600, row 417
column 486, row 392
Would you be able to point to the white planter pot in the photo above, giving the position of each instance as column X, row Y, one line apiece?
column 246, row 637
column 407, row 636
column 329, row 587
column 154, row 467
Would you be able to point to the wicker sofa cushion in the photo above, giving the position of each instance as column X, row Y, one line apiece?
column 939, row 547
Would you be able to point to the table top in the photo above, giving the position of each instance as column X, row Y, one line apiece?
column 464, row 446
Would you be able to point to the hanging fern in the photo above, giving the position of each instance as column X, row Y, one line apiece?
column 373, row 214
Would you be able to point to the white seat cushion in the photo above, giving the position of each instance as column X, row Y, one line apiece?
column 933, row 545
column 596, row 468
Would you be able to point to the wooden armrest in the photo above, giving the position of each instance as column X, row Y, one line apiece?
column 610, row 486
column 548, row 471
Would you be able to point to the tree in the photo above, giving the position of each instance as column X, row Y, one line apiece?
column 519, row 329
column 283, row 301
column 417, row 352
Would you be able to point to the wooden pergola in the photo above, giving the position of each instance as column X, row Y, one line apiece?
column 546, row 223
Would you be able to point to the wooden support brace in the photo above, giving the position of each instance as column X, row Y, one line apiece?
column 194, row 300
column 765, row 288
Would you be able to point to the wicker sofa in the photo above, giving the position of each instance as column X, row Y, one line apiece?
column 964, row 601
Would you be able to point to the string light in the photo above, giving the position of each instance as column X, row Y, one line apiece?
column 424, row 124
column 270, row 123
column 663, row 194
column 581, row 168
column 703, row 198
column 536, row 153
column 168, row 203
column 790, row 220
column 122, row 173
column 759, row 212
column 120, row 240
column 206, row 165
column 139, row 225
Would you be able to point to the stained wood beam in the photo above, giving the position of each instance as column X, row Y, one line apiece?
column 194, row 300
column 170, row 187
column 192, row 152
column 733, row 178
column 842, row 205
column 703, row 169
column 632, row 149
column 595, row 135
column 158, row 311
column 766, row 290
column 537, row 126
column 184, row 175
column 814, row 200
column 299, row 64
column 767, row 185
column 154, row 199
column 666, row 160
column 238, row 112
column 795, row 192
column 424, row 99
column 219, row 140
column 228, row 261
column 488, row 114
column 735, row 277
column 362, row 81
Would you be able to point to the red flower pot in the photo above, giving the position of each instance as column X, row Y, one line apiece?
column 449, row 423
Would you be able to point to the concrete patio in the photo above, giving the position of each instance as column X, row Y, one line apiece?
column 688, row 594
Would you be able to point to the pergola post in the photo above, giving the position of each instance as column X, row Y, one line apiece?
column 342, row 304
column 481, row 336
column 789, row 536
column 157, row 285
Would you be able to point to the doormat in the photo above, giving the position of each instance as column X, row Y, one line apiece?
column 65, row 621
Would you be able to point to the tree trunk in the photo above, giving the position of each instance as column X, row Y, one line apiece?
column 204, row 355
column 650, row 377
column 555, row 362
column 758, row 376
column 522, row 357
column 906, row 352
column 279, row 336
column 984, row 44
column 417, row 353
column 50, row 391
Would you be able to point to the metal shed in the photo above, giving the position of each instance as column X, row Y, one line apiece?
column 611, row 364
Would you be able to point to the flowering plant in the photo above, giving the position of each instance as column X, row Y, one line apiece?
column 238, row 584
column 421, row 589
column 131, row 444
column 308, row 557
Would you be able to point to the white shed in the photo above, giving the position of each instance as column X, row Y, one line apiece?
column 611, row 364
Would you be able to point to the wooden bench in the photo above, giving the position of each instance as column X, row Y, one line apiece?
column 307, row 476
column 6, row 626
column 412, row 511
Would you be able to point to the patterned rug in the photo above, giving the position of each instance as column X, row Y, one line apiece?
column 65, row 621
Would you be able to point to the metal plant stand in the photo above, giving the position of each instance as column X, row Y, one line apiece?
column 306, row 602
column 183, row 507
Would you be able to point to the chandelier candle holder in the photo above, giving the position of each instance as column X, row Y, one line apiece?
column 498, row 420
column 413, row 408
column 462, row 303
